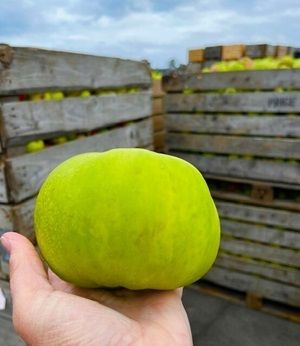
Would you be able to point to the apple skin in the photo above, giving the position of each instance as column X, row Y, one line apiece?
column 127, row 218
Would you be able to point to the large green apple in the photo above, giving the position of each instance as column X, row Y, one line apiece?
column 127, row 218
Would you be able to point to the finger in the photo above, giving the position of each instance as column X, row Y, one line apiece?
column 27, row 274
column 58, row 284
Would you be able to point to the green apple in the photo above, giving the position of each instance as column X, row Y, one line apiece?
column 34, row 146
column 59, row 140
column 85, row 93
column 127, row 218
column 36, row 97
column 57, row 95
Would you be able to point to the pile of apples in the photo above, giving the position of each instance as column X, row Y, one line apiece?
column 246, row 63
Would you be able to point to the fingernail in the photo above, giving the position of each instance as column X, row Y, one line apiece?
column 5, row 243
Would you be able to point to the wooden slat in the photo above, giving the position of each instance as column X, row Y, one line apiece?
column 243, row 80
column 260, row 215
column 264, row 170
column 245, row 199
column 267, row 270
column 26, row 173
column 213, row 53
column 249, row 283
column 3, row 186
column 6, row 218
column 157, row 90
column 235, row 124
column 263, row 147
column 158, row 122
column 268, row 102
column 196, row 55
column 263, row 252
column 38, row 69
column 159, row 139
column 23, row 121
column 260, row 233
column 260, row 50
column 233, row 52
column 23, row 219
column 158, row 106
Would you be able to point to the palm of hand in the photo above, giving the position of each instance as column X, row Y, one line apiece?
column 49, row 311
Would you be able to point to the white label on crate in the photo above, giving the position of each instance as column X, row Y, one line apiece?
column 2, row 300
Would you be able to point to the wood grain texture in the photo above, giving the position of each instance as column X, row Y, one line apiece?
column 243, row 80
column 23, row 121
column 6, row 218
column 3, row 186
column 257, row 146
column 260, row 50
column 158, row 106
column 259, row 215
column 268, row 102
column 264, row 170
column 249, row 283
column 247, row 265
column 26, row 173
column 38, row 69
column 234, row 124
column 245, row 199
column 158, row 122
column 267, row 235
column 260, row 251
column 23, row 218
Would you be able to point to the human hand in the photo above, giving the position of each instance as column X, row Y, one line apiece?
column 49, row 311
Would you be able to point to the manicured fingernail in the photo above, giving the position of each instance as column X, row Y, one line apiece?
column 5, row 243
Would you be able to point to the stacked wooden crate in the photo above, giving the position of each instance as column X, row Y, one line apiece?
column 158, row 115
column 247, row 145
column 114, row 112
column 205, row 57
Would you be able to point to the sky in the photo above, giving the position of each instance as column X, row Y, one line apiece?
column 157, row 31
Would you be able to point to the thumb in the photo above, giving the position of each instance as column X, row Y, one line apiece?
column 27, row 274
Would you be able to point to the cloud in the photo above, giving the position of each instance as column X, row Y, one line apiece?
column 145, row 29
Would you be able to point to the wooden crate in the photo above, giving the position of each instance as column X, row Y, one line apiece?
column 233, row 52
column 247, row 145
column 116, row 113
column 213, row 53
column 158, row 118
column 255, row 51
column 196, row 55
column 282, row 51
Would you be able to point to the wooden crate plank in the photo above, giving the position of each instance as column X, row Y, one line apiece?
column 281, row 51
column 259, row 215
column 260, row 50
column 26, row 173
column 157, row 90
column 264, row 170
column 196, row 55
column 3, row 185
column 23, row 219
column 213, row 53
column 267, row 102
column 34, row 69
column 249, row 283
column 158, row 122
column 263, row 252
column 6, row 218
column 233, row 52
column 159, row 139
column 257, row 146
column 245, row 199
column 241, row 80
column 23, row 121
column 251, row 266
column 260, row 125
column 158, row 106
column 261, row 233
